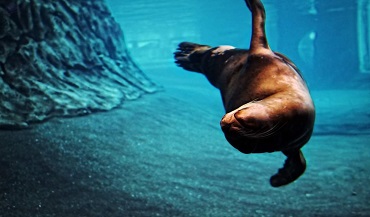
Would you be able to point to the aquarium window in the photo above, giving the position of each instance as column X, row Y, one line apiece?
column 363, row 25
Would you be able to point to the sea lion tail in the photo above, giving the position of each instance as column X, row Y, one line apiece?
column 259, row 42
column 189, row 56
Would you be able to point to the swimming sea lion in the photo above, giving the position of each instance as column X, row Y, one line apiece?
column 267, row 102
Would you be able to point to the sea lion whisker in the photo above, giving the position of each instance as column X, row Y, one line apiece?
column 273, row 129
column 263, row 134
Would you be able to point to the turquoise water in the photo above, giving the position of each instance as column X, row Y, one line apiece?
column 165, row 154
column 329, row 42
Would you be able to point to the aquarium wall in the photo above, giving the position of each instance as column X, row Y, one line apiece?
column 363, row 26
column 328, row 40
column 62, row 58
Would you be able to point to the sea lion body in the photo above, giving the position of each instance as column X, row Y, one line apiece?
column 271, row 88
column 268, row 105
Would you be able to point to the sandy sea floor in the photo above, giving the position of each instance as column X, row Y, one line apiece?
column 165, row 155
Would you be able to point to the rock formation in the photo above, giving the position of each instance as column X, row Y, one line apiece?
column 62, row 58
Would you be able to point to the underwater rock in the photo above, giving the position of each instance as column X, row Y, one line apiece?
column 63, row 58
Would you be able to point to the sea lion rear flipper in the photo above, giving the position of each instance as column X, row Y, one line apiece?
column 189, row 56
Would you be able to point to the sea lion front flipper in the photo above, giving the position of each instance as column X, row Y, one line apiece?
column 258, row 44
column 294, row 167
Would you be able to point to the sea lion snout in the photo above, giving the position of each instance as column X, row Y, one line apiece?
column 246, row 121
column 226, row 122
column 231, row 126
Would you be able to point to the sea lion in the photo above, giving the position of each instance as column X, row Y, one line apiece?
column 267, row 102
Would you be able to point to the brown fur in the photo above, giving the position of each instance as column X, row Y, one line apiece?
column 268, row 105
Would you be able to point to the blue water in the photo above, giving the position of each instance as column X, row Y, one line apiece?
column 324, row 38
column 328, row 41
column 165, row 154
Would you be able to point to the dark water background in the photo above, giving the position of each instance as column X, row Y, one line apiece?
column 165, row 155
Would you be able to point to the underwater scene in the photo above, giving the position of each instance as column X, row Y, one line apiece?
column 227, row 108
